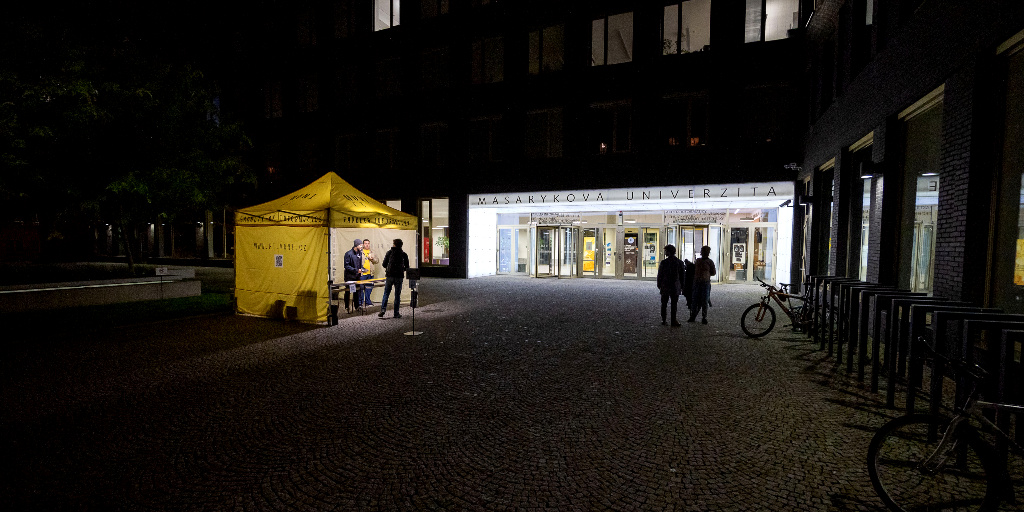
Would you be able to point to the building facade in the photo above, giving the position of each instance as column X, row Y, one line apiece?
column 911, row 166
column 445, row 108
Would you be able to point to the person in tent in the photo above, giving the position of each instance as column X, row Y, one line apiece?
column 353, row 266
column 369, row 260
column 396, row 262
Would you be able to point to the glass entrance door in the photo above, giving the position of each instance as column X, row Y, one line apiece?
column 751, row 254
column 568, row 257
column 739, row 245
column 692, row 237
column 651, row 252
column 546, row 251
column 591, row 253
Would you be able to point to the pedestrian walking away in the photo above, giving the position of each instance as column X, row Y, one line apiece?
column 353, row 266
column 703, row 269
column 396, row 262
column 670, row 276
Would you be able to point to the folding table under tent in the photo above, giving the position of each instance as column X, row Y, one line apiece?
column 290, row 250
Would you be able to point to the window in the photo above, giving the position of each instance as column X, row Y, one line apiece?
column 346, row 87
column 435, row 70
column 485, row 140
column 547, row 49
column 272, row 107
column 385, row 14
column 344, row 25
column 544, row 134
column 433, row 145
column 768, row 20
column 684, row 122
column 305, row 27
column 686, row 27
column 388, row 83
column 433, row 8
column 434, row 231
column 763, row 109
column 612, row 40
column 309, row 93
column 386, row 148
column 922, row 131
column 344, row 146
column 488, row 60
column 610, row 129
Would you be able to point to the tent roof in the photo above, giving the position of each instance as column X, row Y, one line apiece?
column 328, row 201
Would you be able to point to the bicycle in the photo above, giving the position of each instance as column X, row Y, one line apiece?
column 759, row 319
column 934, row 462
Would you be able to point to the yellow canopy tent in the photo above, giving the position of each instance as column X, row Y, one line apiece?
column 289, row 249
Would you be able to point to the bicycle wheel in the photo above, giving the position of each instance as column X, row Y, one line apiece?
column 962, row 478
column 757, row 320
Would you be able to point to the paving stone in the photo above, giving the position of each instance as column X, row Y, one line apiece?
column 521, row 394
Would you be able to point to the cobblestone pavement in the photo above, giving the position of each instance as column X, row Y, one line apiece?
column 521, row 394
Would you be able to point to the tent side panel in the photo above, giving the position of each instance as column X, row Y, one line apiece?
column 286, row 264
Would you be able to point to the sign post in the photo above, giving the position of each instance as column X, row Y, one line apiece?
column 413, row 274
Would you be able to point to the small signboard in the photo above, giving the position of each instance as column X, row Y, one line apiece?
column 162, row 271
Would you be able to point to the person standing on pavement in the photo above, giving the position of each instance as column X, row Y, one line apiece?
column 688, row 281
column 670, row 274
column 703, row 269
column 396, row 262
column 353, row 266
column 366, row 272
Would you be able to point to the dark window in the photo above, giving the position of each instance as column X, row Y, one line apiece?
column 433, row 8
column 610, row 129
column 544, row 134
column 433, row 145
column 435, row 69
column 386, row 148
column 485, row 140
column 388, row 83
column 488, row 61
column 546, row 52
column 684, row 122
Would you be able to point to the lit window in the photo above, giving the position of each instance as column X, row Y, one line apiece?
column 612, row 40
column 546, row 49
column 768, row 20
column 385, row 14
column 434, row 246
column 686, row 27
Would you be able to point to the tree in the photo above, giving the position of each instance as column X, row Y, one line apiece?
column 98, row 122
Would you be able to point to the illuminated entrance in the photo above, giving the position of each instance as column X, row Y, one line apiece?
column 622, row 233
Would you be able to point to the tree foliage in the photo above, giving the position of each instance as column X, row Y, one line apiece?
column 98, row 122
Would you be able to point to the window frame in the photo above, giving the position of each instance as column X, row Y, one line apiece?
column 604, row 39
column 394, row 15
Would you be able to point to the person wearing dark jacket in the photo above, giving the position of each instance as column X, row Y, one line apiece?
column 395, row 263
column 670, row 275
column 353, row 265
column 688, row 281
